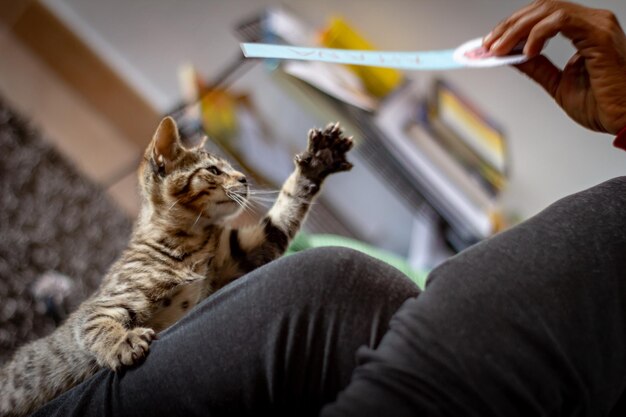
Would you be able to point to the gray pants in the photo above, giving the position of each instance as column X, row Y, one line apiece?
column 531, row 322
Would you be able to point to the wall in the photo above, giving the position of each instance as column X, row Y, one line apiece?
column 552, row 157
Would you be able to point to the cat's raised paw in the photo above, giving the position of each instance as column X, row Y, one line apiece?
column 326, row 153
column 131, row 348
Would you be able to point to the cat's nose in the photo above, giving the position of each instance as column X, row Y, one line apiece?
column 243, row 180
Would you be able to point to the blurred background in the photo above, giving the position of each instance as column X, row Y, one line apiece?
column 443, row 159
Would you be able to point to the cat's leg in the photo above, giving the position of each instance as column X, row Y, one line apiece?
column 105, row 332
column 113, row 325
column 251, row 247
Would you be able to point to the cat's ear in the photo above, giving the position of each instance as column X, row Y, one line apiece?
column 165, row 146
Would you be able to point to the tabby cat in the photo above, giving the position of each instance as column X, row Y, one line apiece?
column 181, row 249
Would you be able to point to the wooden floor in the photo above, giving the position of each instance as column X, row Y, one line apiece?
column 80, row 132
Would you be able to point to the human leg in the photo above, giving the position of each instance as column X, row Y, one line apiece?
column 530, row 322
column 280, row 340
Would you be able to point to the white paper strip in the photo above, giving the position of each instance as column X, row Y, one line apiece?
column 470, row 54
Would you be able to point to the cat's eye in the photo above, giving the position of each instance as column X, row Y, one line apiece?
column 214, row 170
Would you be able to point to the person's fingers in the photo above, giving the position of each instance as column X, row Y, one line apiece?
column 544, row 72
column 543, row 30
column 597, row 30
column 518, row 32
column 502, row 27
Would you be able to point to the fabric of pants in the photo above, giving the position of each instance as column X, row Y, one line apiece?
column 278, row 341
column 531, row 322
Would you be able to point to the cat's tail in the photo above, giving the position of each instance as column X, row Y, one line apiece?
column 42, row 370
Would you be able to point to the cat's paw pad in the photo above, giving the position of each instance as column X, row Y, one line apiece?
column 131, row 348
column 326, row 153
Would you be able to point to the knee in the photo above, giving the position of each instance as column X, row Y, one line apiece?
column 593, row 212
column 604, row 199
column 610, row 196
column 336, row 273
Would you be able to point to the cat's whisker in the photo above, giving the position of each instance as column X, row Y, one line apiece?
column 242, row 201
column 239, row 202
column 249, row 209
column 247, row 202
column 248, row 206
column 264, row 199
column 235, row 197
column 232, row 195
column 267, row 199
column 197, row 218
column 256, row 206
column 256, row 192
column 260, row 206
column 173, row 204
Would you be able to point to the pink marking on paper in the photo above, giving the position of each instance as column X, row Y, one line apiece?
column 478, row 53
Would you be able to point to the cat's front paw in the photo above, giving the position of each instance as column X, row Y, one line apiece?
column 325, row 154
column 131, row 348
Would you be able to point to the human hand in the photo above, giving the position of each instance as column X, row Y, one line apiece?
column 592, row 86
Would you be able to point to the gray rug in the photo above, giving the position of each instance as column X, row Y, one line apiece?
column 51, row 219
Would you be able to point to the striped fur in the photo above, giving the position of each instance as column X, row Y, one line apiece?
column 182, row 248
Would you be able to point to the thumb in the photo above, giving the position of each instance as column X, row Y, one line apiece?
column 543, row 71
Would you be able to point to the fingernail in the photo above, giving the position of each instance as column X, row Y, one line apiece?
column 487, row 37
column 496, row 45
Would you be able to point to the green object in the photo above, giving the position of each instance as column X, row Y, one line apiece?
column 304, row 241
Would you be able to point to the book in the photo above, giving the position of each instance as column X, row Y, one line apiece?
column 439, row 177
column 448, row 166
column 492, row 180
column 475, row 140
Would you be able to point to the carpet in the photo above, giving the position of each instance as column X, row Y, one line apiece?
column 51, row 219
